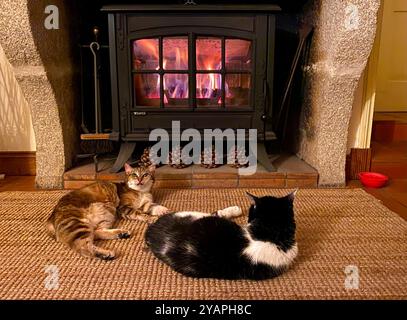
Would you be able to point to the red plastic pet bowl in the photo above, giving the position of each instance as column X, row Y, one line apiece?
column 373, row 179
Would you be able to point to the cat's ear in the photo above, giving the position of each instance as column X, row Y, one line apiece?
column 291, row 196
column 151, row 168
column 252, row 197
column 128, row 168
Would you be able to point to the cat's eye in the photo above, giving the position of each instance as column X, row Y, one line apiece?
column 145, row 175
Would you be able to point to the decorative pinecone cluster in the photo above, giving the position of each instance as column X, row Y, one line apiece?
column 210, row 159
column 147, row 161
column 175, row 159
column 237, row 157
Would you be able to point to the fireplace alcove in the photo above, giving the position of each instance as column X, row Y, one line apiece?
column 45, row 67
column 207, row 66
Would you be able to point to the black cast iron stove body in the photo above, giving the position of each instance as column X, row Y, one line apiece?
column 207, row 66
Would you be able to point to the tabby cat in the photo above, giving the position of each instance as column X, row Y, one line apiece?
column 207, row 245
column 88, row 214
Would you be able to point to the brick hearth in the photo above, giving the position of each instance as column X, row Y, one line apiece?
column 291, row 173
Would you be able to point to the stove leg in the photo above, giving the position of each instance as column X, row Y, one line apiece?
column 263, row 159
column 126, row 149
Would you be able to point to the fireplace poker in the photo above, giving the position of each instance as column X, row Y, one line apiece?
column 94, row 144
column 304, row 32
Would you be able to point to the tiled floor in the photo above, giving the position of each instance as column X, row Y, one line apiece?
column 393, row 195
column 389, row 156
column 17, row 183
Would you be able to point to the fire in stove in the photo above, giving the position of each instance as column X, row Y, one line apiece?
column 174, row 70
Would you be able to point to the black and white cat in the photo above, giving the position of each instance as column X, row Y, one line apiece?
column 208, row 245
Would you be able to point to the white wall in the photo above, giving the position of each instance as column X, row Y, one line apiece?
column 391, row 93
column 16, row 130
column 356, row 115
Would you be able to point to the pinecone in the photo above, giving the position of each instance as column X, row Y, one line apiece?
column 175, row 159
column 237, row 157
column 210, row 158
column 147, row 161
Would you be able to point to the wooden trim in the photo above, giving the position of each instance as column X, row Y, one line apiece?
column 95, row 136
column 364, row 132
column 359, row 160
column 18, row 163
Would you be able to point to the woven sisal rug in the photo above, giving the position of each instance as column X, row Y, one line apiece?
column 337, row 229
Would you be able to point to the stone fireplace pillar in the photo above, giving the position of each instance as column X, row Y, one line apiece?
column 44, row 67
column 342, row 41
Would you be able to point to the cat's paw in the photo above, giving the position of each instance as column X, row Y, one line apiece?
column 124, row 235
column 106, row 255
column 230, row 212
column 159, row 210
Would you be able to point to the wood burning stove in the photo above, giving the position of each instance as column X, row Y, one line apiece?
column 207, row 66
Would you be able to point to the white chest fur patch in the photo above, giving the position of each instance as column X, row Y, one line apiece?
column 268, row 253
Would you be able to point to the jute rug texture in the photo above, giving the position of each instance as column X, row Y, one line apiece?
column 350, row 247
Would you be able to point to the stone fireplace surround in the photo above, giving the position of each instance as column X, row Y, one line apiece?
column 43, row 65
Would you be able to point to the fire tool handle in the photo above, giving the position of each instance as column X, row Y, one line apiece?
column 94, row 46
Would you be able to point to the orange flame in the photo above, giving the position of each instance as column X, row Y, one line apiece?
column 176, row 85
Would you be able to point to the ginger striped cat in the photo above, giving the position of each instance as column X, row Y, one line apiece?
column 88, row 214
